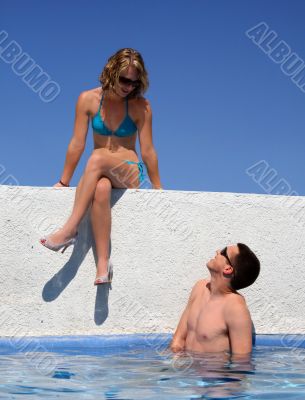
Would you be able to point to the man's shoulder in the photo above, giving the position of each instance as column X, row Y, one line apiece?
column 199, row 287
column 201, row 283
column 235, row 300
column 236, row 305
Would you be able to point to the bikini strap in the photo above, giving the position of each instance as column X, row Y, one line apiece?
column 101, row 102
column 126, row 106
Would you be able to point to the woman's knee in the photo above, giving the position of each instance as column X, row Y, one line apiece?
column 96, row 162
column 103, row 190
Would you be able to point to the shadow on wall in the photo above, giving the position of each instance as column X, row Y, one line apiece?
column 57, row 284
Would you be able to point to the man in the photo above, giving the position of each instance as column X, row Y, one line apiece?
column 216, row 318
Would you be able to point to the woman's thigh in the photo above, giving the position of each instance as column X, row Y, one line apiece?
column 120, row 173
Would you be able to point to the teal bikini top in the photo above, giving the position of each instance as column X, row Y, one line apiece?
column 127, row 127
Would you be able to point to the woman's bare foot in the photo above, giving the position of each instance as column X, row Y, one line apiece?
column 103, row 274
column 102, row 268
column 61, row 236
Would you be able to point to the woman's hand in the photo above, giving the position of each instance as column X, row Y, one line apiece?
column 60, row 185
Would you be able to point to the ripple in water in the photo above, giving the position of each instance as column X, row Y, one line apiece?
column 271, row 373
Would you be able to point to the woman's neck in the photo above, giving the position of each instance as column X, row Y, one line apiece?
column 112, row 95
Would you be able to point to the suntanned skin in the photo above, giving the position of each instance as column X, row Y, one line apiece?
column 106, row 167
column 216, row 318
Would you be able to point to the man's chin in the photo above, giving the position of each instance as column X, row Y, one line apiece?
column 209, row 265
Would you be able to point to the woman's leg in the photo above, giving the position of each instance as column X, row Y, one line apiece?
column 101, row 163
column 101, row 223
column 77, row 192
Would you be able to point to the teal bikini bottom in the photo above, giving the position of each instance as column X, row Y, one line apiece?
column 140, row 169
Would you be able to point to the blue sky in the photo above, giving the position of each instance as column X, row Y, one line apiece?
column 220, row 103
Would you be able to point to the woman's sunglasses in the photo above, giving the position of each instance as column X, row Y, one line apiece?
column 128, row 82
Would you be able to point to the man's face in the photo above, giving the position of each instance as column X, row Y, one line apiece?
column 223, row 259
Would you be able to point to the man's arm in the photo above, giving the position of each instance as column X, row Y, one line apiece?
column 180, row 334
column 179, row 337
column 239, row 324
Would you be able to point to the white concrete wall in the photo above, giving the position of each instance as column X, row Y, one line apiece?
column 160, row 244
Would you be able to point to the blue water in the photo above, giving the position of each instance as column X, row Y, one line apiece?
column 130, row 371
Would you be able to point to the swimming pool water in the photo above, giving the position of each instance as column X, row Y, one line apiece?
column 150, row 372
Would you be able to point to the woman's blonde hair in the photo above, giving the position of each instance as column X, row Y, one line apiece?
column 122, row 59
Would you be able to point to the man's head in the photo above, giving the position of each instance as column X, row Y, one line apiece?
column 237, row 263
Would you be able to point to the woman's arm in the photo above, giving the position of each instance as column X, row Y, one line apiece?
column 78, row 141
column 148, row 152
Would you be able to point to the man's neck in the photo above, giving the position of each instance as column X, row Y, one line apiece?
column 218, row 287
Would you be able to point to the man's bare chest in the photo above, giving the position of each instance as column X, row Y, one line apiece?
column 206, row 318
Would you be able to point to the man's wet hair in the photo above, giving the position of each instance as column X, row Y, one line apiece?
column 246, row 268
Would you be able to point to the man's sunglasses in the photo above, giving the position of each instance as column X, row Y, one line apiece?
column 225, row 254
column 129, row 82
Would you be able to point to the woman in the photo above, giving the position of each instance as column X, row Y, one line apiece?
column 117, row 111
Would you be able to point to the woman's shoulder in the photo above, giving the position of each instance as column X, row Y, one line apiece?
column 140, row 100
column 141, row 104
column 90, row 94
column 87, row 99
column 140, row 109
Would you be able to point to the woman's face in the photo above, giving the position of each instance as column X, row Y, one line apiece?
column 127, row 82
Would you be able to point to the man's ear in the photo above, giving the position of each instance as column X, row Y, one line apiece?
column 228, row 271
